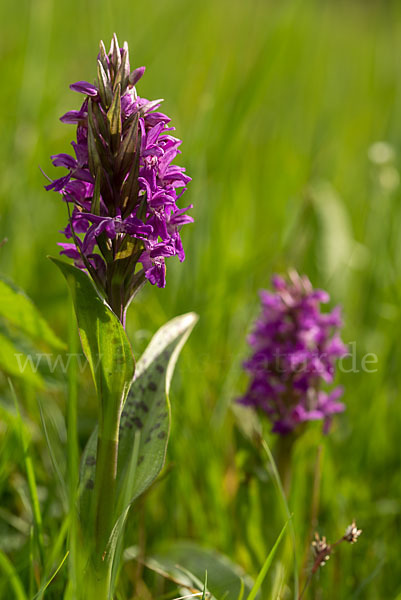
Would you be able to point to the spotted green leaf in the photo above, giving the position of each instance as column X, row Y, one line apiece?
column 188, row 562
column 103, row 338
column 147, row 411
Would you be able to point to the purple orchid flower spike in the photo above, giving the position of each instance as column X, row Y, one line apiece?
column 121, row 187
column 295, row 348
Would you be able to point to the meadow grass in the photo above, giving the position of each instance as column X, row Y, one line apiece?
column 278, row 104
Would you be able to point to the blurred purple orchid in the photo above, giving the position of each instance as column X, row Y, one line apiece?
column 295, row 347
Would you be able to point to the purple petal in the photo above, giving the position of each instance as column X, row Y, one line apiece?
column 74, row 116
column 154, row 118
column 161, row 249
column 84, row 175
column 69, row 250
column 58, row 184
column 83, row 87
column 64, row 160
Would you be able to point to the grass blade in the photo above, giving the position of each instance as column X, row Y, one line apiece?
column 10, row 572
column 53, row 458
column 286, row 510
column 242, row 591
column 263, row 572
column 30, row 473
column 46, row 585
column 204, row 587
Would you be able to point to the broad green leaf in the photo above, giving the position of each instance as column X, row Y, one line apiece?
column 103, row 338
column 19, row 310
column 147, row 411
column 18, row 364
column 224, row 578
column 148, row 407
column 188, row 583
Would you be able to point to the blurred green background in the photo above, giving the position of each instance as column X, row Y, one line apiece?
column 280, row 105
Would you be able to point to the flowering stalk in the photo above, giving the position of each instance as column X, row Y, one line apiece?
column 121, row 188
column 121, row 191
column 295, row 347
column 322, row 550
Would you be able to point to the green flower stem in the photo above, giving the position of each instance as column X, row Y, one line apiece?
column 73, row 453
column 116, row 299
column 105, row 486
column 284, row 447
column 105, row 478
column 98, row 584
column 105, row 500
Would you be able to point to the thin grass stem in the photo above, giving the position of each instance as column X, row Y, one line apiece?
column 280, row 489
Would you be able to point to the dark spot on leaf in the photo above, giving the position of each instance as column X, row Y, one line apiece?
column 140, row 459
column 152, row 386
column 90, row 461
column 137, row 422
column 159, row 402
column 159, row 368
column 147, row 439
column 143, row 406
column 161, row 435
column 129, row 425
column 89, row 484
column 155, row 426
